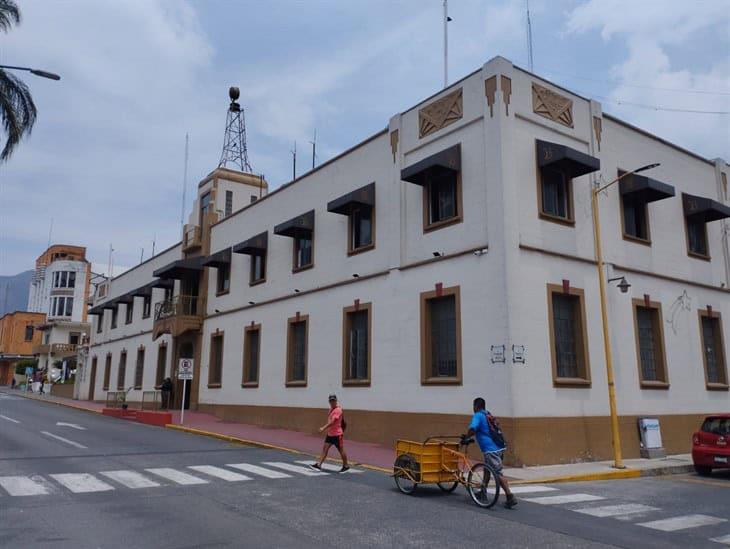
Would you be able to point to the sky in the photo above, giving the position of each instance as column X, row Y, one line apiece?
column 105, row 162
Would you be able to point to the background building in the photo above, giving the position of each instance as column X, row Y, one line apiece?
column 18, row 337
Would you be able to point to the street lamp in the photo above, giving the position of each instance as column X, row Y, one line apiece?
column 616, row 437
column 37, row 72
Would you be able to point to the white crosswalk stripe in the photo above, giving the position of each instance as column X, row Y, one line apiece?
column 23, row 486
column 80, row 483
column 725, row 540
column 682, row 522
column 306, row 471
column 179, row 477
column 130, row 479
column 621, row 509
column 564, row 498
column 6, row 418
column 257, row 470
column 330, row 467
column 219, row 472
column 528, row 489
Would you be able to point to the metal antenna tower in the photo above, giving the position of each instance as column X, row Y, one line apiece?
column 234, row 140
column 529, row 36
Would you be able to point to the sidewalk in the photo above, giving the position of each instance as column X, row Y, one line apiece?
column 381, row 458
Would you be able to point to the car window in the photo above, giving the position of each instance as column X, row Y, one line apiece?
column 717, row 426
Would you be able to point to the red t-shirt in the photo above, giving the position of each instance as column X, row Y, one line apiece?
column 335, row 421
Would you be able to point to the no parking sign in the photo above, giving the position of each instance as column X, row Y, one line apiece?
column 185, row 368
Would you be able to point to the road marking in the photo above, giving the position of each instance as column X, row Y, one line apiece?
column 23, row 486
column 616, row 510
column 219, row 472
column 528, row 489
column 682, row 522
column 72, row 425
column 306, row 471
column 130, row 479
column 82, row 482
column 174, row 475
column 9, row 419
column 255, row 469
column 331, row 468
column 67, row 441
column 725, row 540
column 565, row 498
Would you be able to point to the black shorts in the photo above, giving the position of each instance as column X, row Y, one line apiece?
column 335, row 441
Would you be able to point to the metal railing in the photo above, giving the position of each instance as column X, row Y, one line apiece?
column 64, row 349
column 179, row 305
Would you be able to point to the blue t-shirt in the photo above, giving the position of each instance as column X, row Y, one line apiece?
column 481, row 431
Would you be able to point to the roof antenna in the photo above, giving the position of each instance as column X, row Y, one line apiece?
column 314, row 147
column 235, row 150
column 446, row 42
column 529, row 36
column 294, row 161
column 185, row 182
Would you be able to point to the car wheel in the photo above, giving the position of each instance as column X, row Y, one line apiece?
column 703, row 470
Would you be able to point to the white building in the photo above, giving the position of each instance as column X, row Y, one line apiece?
column 447, row 257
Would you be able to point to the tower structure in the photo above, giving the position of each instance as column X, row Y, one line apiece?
column 234, row 139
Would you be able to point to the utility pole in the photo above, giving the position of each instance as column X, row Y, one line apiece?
column 294, row 161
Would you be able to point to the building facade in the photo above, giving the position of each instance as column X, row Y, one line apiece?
column 18, row 336
column 447, row 257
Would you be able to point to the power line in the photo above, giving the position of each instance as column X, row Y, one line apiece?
column 652, row 107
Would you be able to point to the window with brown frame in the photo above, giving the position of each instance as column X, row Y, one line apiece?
column 441, row 336
column 122, row 373
column 29, row 332
column 251, row 355
column 223, row 279
column 635, row 219
column 296, row 351
column 568, row 337
column 129, row 313
column 303, row 251
column 146, row 306
column 356, row 344
column 713, row 350
column 99, row 322
column 556, row 194
column 139, row 369
column 107, row 372
column 441, row 199
column 650, row 353
column 258, row 269
column 361, row 224
column 114, row 317
column 215, row 368
column 161, row 365
column 697, row 238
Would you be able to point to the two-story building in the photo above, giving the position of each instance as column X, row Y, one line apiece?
column 18, row 336
column 449, row 256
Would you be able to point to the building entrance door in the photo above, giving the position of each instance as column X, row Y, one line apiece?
column 187, row 350
column 92, row 380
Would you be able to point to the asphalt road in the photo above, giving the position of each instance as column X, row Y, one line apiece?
column 111, row 483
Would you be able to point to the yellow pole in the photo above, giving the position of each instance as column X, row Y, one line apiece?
column 617, row 458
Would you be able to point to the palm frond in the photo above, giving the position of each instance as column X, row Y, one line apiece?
column 9, row 14
column 17, row 111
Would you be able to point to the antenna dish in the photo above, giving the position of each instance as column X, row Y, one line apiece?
column 234, row 93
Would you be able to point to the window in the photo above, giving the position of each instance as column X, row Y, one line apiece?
column 64, row 279
column 251, row 354
column 296, row 351
column 215, row 369
column 122, row 373
column 99, row 322
column 73, row 338
column 441, row 336
column 635, row 216
column 205, row 207
column 129, row 312
column 713, row 350
column 139, row 369
column 650, row 344
column 697, row 238
column 356, row 345
column 302, row 251
column 107, row 372
column 361, row 223
column 29, row 332
column 556, row 194
column 146, row 306
column 69, row 306
column 168, row 294
column 161, row 364
column 114, row 317
column 258, row 269
column 229, row 203
column 61, row 306
column 442, row 194
column 223, row 279
column 71, row 279
column 568, row 337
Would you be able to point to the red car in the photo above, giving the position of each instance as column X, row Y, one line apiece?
column 711, row 444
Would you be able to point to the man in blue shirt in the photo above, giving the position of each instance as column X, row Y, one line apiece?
column 479, row 429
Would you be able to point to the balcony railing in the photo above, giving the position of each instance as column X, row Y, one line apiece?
column 191, row 237
column 179, row 305
column 56, row 349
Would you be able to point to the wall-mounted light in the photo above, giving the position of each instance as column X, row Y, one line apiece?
column 296, row 290
column 437, row 254
column 217, row 310
column 355, row 275
column 623, row 285
column 251, row 303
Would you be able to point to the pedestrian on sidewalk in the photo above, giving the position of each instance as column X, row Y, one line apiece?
column 12, row 383
column 43, row 381
column 481, row 428
column 166, row 389
column 335, row 428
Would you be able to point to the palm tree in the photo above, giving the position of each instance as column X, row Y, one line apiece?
column 17, row 110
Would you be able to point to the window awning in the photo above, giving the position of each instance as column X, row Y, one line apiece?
column 218, row 259
column 255, row 245
column 125, row 298
column 181, row 268
column 301, row 224
column 97, row 310
column 570, row 161
column 146, row 290
column 644, row 189
column 445, row 162
column 163, row 283
column 111, row 304
column 703, row 210
column 364, row 196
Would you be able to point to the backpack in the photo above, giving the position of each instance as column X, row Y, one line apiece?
column 495, row 431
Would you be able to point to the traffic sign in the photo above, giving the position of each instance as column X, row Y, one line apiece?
column 185, row 368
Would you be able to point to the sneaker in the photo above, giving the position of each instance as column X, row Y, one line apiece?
column 511, row 502
column 315, row 466
column 344, row 469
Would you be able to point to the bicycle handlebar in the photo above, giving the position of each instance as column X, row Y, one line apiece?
column 463, row 439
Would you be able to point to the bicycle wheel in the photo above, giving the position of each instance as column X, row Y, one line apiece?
column 448, row 486
column 405, row 469
column 482, row 485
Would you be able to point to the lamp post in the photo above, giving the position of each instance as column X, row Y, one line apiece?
column 37, row 72
column 616, row 437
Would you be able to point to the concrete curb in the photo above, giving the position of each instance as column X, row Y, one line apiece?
column 610, row 475
column 39, row 399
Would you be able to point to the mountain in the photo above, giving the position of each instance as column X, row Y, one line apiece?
column 14, row 292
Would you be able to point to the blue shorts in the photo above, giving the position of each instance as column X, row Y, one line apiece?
column 494, row 460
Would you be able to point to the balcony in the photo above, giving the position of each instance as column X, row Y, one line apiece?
column 57, row 350
column 41, row 349
column 182, row 313
column 192, row 238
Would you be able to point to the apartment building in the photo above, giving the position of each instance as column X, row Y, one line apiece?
column 18, row 336
column 449, row 256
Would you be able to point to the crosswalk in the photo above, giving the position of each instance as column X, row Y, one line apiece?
column 154, row 477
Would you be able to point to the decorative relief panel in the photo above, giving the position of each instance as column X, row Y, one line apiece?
column 440, row 113
column 597, row 126
column 552, row 105
column 394, row 142
column 506, row 85
column 490, row 88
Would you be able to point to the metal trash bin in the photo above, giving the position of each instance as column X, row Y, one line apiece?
column 650, row 438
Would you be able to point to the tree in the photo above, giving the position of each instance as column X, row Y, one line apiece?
column 17, row 110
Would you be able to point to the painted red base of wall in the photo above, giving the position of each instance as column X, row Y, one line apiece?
column 142, row 416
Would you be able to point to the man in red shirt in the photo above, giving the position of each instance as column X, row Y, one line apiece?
column 334, row 428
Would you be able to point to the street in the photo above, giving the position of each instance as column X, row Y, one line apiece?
column 72, row 479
